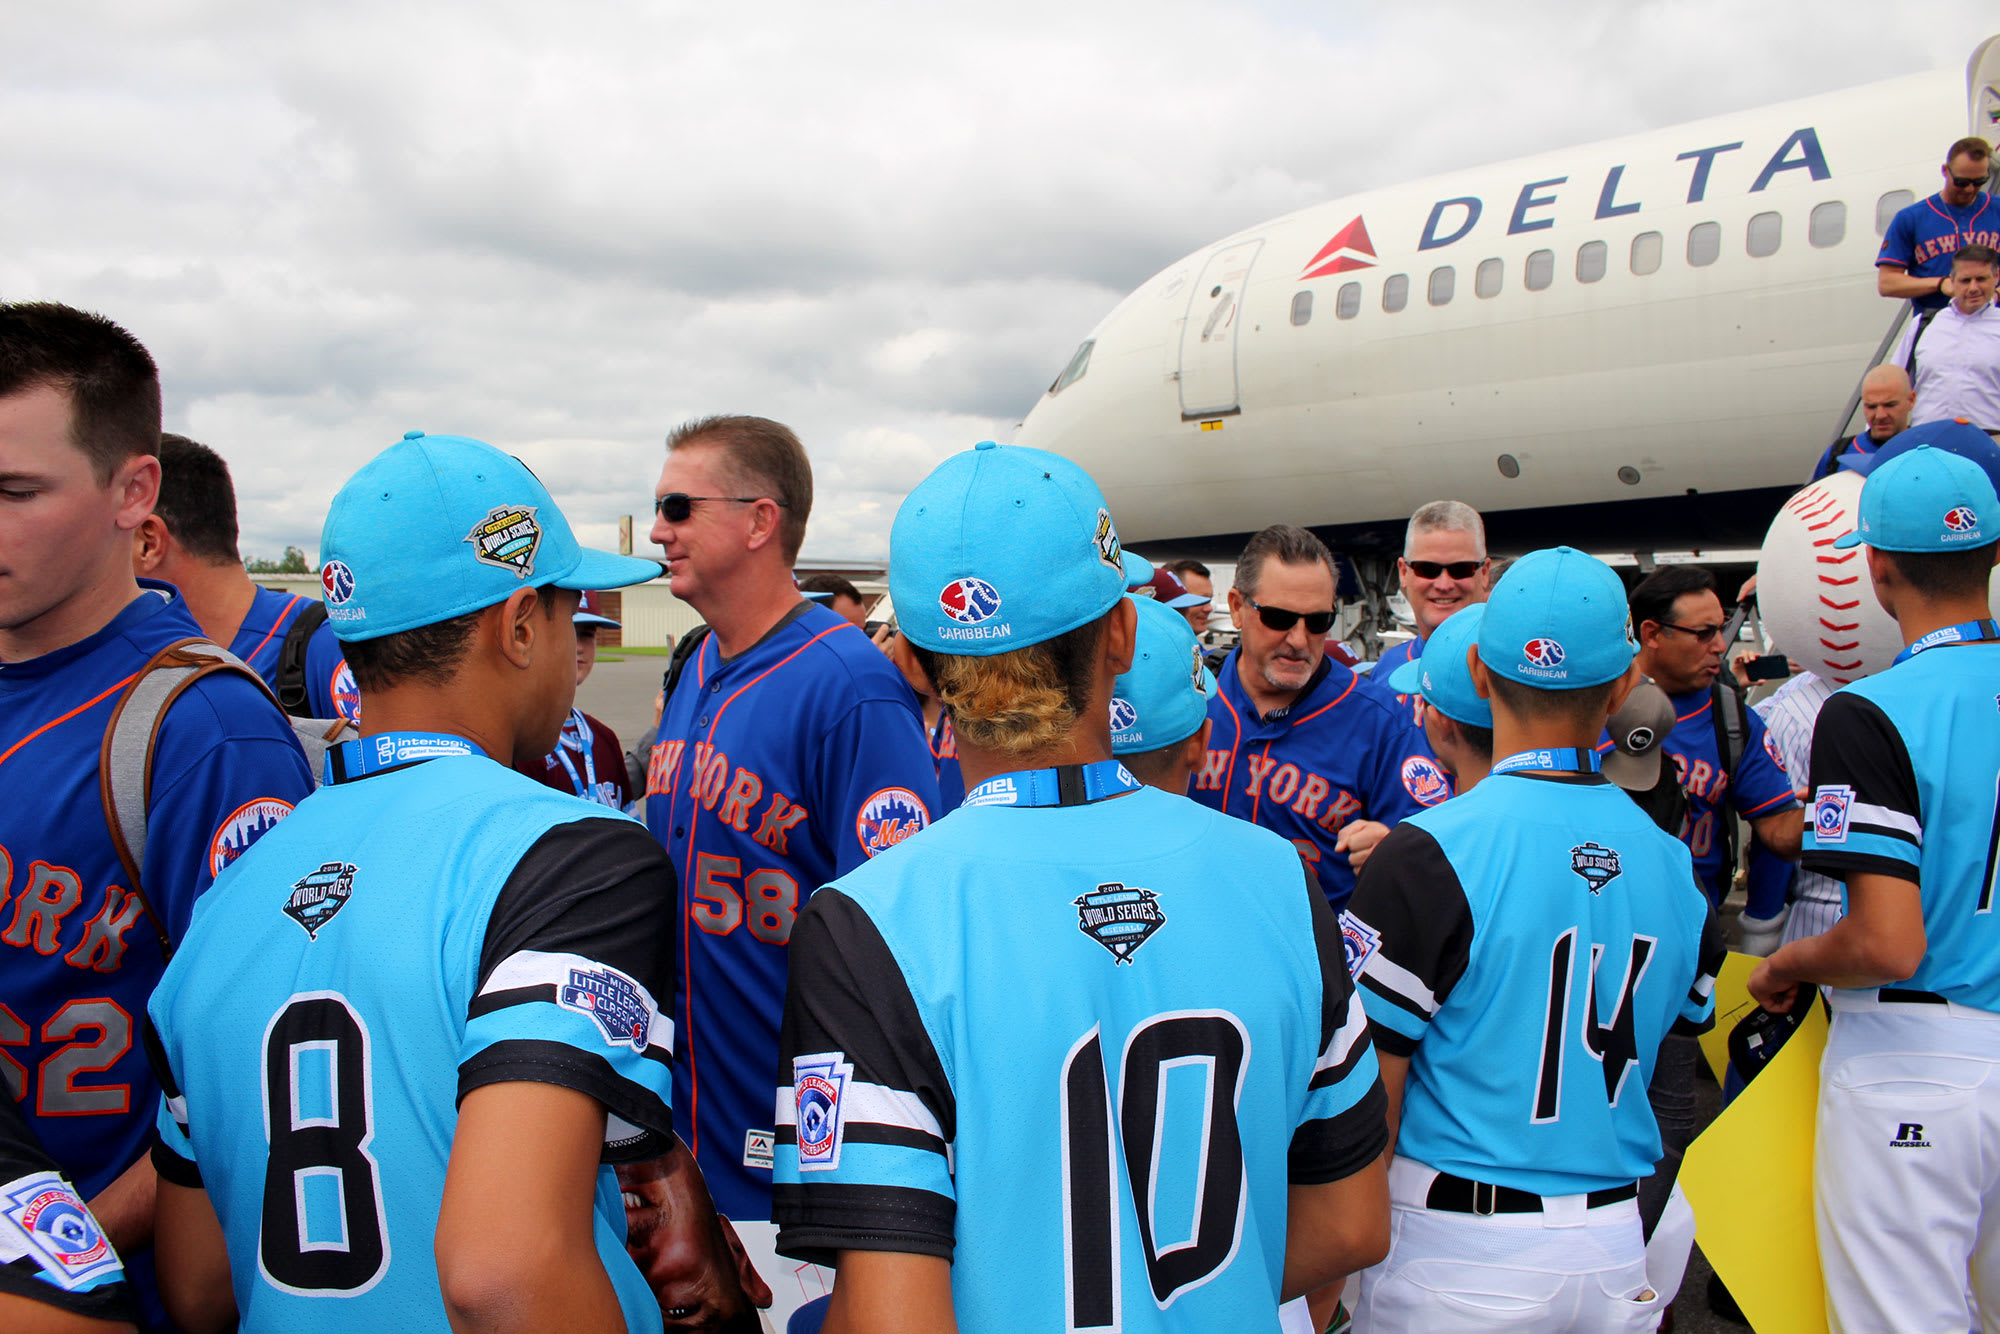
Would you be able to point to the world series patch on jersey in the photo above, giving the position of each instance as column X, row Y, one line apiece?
column 1123, row 1160
column 775, row 772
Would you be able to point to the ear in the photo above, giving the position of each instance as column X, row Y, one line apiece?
column 1623, row 690
column 766, row 522
column 518, row 626
column 136, row 485
column 149, row 546
column 1121, row 637
column 1237, row 604
column 1649, row 634
column 754, row 1286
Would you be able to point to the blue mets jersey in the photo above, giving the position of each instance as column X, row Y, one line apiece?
column 260, row 640
column 419, row 933
column 78, row 952
column 330, row 688
column 951, row 778
column 775, row 771
column 1345, row 750
column 51, row 1250
column 1906, row 783
column 1924, row 236
column 1114, row 1152
column 1527, row 945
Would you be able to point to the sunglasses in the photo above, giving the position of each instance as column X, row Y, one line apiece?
column 1968, row 182
column 1281, row 620
column 1457, row 569
column 676, row 506
column 1701, row 632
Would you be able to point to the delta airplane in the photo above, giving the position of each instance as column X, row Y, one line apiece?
column 1632, row 346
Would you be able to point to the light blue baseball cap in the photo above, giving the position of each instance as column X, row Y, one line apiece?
column 1165, row 696
column 1442, row 676
column 437, row 526
column 1557, row 620
column 1926, row 500
column 1138, row 570
column 1001, row 547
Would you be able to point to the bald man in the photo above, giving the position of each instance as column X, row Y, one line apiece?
column 1886, row 401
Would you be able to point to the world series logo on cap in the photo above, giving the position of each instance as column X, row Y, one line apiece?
column 507, row 539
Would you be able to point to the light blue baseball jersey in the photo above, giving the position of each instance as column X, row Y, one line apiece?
column 1527, row 945
column 423, row 931
column 1080, row 1051
column 1906, row 783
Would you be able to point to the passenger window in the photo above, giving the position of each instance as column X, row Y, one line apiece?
column 1073, row 372
column 1302, row 307
column 1396, row 293
column 1347, row 302
column 1540, row 270
column 1443, row 282
column 1828, row 224
column 1888, row 206
column 1590, row 261
column 1486, row 282
column 1766, row 232
column 1704, row 243
column 1646, row 250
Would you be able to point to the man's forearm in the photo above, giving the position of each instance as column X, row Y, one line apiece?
column 124, row 1209
column 1898, row 283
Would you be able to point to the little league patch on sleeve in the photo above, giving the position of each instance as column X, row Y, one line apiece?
column 49, row 1223
column 613, row 1000
column 1360, row 940
column 1832, row 807
column 818, row 1084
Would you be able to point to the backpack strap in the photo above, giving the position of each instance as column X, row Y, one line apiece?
column 1732, row 733
column 1923, row 323
column 125, row 757
column 291, row 692
column 684, row 652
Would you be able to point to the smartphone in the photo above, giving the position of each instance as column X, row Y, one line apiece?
column 1770, row 667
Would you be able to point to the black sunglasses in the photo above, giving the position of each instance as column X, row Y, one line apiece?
column 1457, row 569
column 1281, row 620
column 676, row 506
column 1968, row 182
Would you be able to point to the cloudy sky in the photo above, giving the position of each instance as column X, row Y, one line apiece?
column 565, row 228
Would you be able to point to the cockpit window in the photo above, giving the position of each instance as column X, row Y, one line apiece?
column 1073, row 372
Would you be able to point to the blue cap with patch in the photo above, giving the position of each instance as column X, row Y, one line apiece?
column 1926, row 500
column 1955, row 436
column 437, row 526
column 1001, row 547
column 1557, row 620
column 1442, row 676
column 1164, row 697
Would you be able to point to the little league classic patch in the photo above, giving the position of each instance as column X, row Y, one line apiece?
column 507, row 538
column 51, row 1226
column 613, row 1000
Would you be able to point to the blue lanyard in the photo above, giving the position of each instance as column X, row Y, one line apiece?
column 576, row 736
column 392, row 750
column 1070, row 785
column 1965, row 632
column 1563, row 759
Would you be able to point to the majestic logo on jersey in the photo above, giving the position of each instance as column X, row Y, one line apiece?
column 1961, row 520
column 1360, row 941
column 1123, row 716
column 336, row 581
column 759, row 1149
column 1119, row 919
column 1425, row 781
column 61, row 1236
column 1832, row 808
column 819, row 1082
column 1345, row 251
column 613, row 1000
column 319, row 895
column 1597, row 865
column 245, row 825
column 889, row 817
column 1106, row 540
column 1545, row 653
column 969, row 601
column 507, row 538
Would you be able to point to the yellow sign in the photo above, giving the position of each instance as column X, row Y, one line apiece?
column 1211, row 426
column 1750, row 1180
column 1732, row 1002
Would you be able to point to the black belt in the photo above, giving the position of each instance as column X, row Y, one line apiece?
column 1907, row 997
column 1457, row 1195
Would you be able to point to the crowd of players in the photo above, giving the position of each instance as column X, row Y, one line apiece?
column 1025, row 969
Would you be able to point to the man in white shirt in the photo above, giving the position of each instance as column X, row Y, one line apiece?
column 1956, row 365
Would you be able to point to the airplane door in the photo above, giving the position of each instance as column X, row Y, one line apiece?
column 1983, row 79
column 1208, row 338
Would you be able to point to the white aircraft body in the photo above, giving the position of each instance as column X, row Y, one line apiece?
column 1635, row 345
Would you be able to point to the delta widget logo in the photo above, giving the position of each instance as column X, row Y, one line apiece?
column 1425, row 780
column 969, row 601
column 1123, row 716
column 336, row 582
column 1544, row 653
column 507, row 539
column 1961, row 520
column 245, row 825
column 889, row 817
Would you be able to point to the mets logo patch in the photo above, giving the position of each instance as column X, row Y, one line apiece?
column 969, row 601
column 317, row 896
column 346, row 694
column 245, row 825
column 507, row 538
column 1124, row 717
column 60, row 1235
column 1543, row 653
column 336, row 582
column 1426, row 780
column 1119, row 919
column 819, row 1083
column 889, row 817
column 1833, row 806
column 1961, row 520
column 1597, row 865
column 1360, row 941
column 1105, row 539
column 1771, row 749
column 613, row 1000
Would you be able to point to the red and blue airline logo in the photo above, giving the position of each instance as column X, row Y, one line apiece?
column 1961, row 520
column 1543, row 653
column 969, row 601
column 1350, row 248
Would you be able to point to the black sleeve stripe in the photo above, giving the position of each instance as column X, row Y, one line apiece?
column 527, row 1061
column 816, row 1223
column 489, row 1001
column 1841, row 865
column 1333, row 1074
column 1339, row 1146
column 1395, row 998
column 1691, row 1028
column 156, row 1057
column 1388, row 1040
column 22, row 1278
column 874, row 1132
column 174, row 1167
column 1336, row 987
column 1887, row 831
